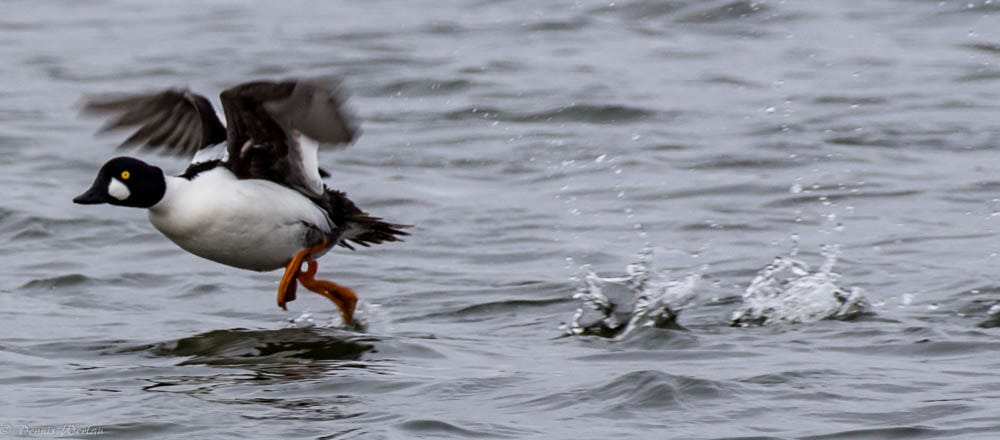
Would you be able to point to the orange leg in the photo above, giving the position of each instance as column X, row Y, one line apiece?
column 343, row 297
column 287, row 286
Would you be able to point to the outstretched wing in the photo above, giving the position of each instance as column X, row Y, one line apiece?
column 274, row 127
column 174, row 121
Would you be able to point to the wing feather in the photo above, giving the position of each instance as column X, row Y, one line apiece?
column 172, row 121
column 265, row 121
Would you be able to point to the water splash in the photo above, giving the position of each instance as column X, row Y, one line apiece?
column 787, row 292
column 613, row 307
column 331, row 320
column 992, row 317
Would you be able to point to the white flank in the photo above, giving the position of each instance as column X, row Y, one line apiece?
column 251, row 224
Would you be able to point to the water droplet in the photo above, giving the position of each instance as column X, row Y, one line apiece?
column 906, row 299
column 795, row 188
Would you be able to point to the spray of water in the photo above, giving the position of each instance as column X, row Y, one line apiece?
column 613, row 307
column 786, row 291
column 362, row 317
column 992, row 317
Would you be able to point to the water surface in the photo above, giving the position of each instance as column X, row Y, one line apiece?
column 540, row 149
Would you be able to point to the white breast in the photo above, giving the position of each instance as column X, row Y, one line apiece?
column 251, row 224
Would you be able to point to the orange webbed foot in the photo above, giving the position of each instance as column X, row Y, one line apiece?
column 288, row 286
column 345, row 298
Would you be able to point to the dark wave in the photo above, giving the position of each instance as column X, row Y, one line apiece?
column 441, row 429
column 714, row 226
column 635, row 392
column 757, row 161
column 794, row 377
column 444, row 28
column 67, row 281
column 729, row 11
column 251, row 347
column 991, row 48
column 992, row 321
column 424, row 87
column 850, row 100
column 816, row 197
column 711, row 191
column 643, row 9
column 64, row 73
column 743, row 18
column 587, row 113
column 59, row 282
column 18, row 226
column 898, row 432
column 490, row 310
column 564, row 25
column 979, row 76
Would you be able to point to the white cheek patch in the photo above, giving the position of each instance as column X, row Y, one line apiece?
column 118, row 190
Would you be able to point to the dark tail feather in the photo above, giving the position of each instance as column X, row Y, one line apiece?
column 359, row 227
column 366, row 230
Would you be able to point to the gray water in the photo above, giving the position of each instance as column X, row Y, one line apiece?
column 633, row 219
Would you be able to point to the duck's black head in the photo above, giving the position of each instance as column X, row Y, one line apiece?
column 125, row 181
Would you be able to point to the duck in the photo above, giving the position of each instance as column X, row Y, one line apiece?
column 253, row 195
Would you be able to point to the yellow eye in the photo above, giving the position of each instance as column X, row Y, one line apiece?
column 125, row 175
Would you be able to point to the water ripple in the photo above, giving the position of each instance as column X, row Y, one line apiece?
column 636, row 391
column 524, row 139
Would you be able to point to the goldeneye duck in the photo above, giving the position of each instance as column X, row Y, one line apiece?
column 253, row 196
